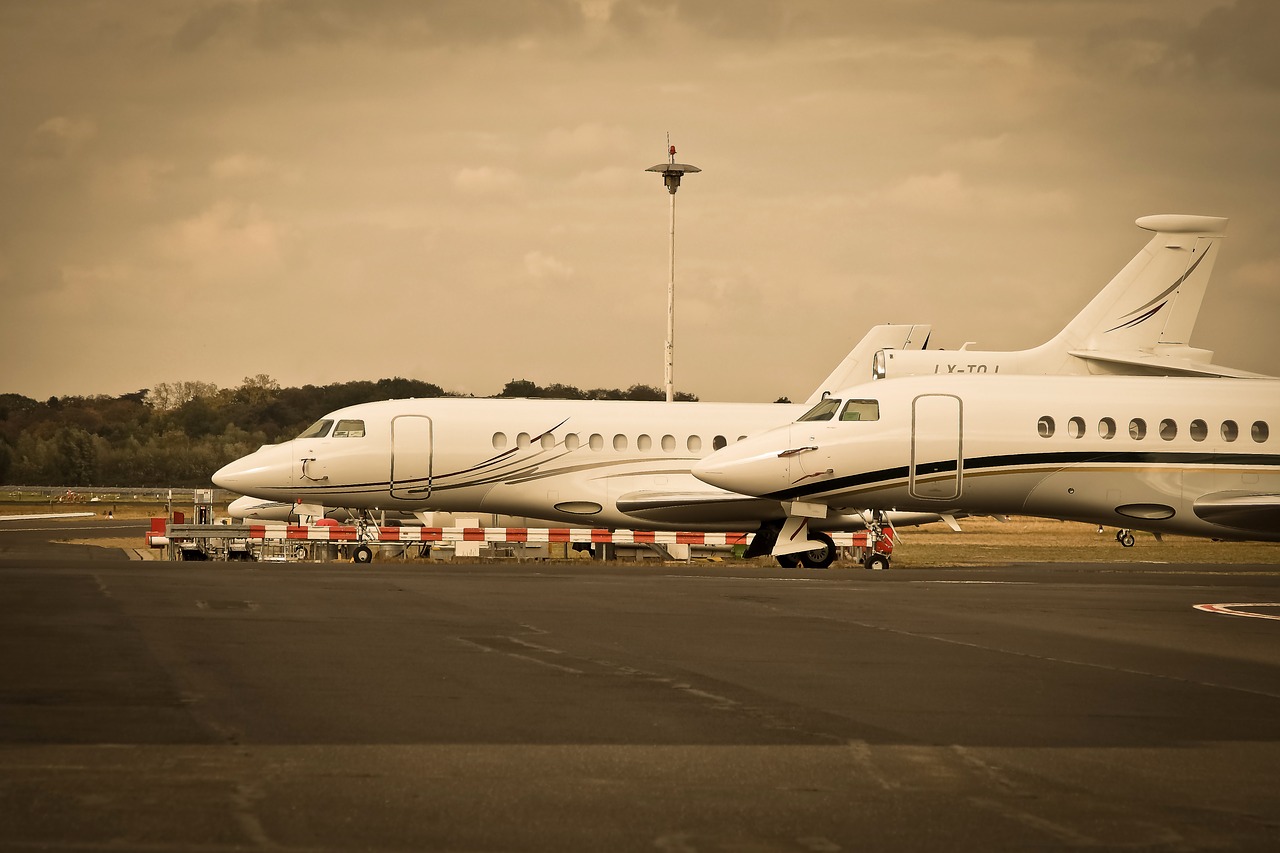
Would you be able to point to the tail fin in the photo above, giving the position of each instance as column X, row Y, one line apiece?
column 856, row 367
column 1155, row 299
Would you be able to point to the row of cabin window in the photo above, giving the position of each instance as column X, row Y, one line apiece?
column 1168, row 429
column 644, row 443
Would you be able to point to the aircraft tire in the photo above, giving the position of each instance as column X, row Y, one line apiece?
column 362, row 554
column 819, row 558
column 877, row 562
column 788, row 561
column 1126, row 539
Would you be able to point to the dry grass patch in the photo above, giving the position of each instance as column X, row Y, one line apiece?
column 987, row 541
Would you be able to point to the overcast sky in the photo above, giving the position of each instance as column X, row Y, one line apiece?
column 455, row 191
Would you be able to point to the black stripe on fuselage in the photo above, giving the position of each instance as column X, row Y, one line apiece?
column 1060, row 459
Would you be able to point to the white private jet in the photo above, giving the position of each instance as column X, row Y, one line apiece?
column 627, row 464
column 602, row 463
column 1195, row 456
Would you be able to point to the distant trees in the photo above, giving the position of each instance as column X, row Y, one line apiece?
column 556, row 391
column 179, row 433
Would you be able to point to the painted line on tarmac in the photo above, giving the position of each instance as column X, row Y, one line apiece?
column 997, row 583
column 1231, row 610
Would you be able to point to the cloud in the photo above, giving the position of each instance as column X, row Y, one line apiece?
column 134, row 179
column 1239, row 41
column 61, row 137
column 239, row 166
column 1263, row 274
column 588, row 139
column 226, row 233
column 281, row 24
column 947, row 193
column 609, row 179
column 485, row 180
column 84, row 288
column 540, row 265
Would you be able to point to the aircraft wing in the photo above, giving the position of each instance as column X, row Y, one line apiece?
column 707, row 505
column 1164, row 365
column 1248, row 511
column 41, row 516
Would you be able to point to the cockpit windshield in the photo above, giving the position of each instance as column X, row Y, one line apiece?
column 824, row 411
column 349, row 429
column 319, row 429
column 861, row 410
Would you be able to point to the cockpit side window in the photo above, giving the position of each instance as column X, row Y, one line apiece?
column 861, row 410
column 349, row 429
column 824, row 411
column 319, row 429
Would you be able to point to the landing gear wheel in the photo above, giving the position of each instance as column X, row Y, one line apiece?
column 788, row 561
column 1125, row 538
column 819, row 558
column 877, row 562
column 300, row 552
column 362, row 554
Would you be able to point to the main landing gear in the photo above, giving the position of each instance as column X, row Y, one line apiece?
column 818, row 558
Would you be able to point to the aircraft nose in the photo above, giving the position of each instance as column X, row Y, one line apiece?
column 259, row 475
column 750, row 467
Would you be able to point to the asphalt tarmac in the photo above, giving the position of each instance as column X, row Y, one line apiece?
column 203, row 706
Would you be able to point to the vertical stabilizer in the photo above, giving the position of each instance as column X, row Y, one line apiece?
column 856, row 367
column 1155, row 300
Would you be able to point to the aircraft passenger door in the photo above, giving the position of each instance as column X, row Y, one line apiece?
column 937, row 462
column 411, row 457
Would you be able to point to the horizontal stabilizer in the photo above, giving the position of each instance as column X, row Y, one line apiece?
column 1157, row 364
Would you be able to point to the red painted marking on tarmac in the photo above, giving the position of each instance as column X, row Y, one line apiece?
column 1231, row 609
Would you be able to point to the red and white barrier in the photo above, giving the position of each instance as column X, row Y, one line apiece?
column 531, row 535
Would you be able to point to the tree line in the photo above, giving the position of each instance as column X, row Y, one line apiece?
column 179, row 433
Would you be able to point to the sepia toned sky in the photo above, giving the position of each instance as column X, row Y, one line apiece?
column 454, row 191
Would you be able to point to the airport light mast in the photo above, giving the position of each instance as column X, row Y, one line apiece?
column 672, row 172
